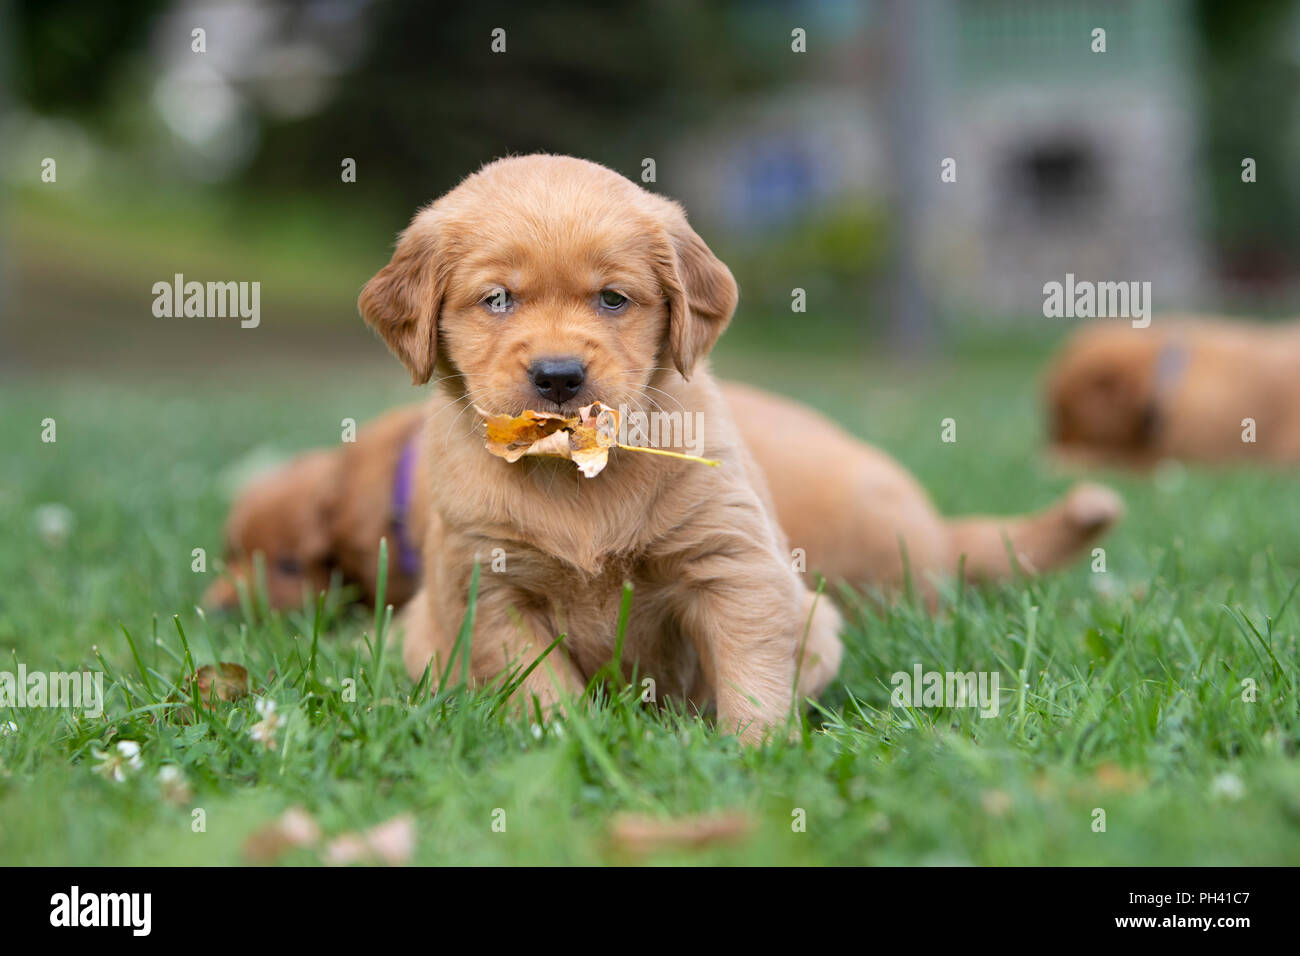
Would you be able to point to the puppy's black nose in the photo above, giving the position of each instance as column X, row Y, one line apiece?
column 558, row 378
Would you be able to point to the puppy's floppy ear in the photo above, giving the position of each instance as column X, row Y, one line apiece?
column 402, row 301
column 701, row 292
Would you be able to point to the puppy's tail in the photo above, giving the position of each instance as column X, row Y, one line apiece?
column 1039, row 541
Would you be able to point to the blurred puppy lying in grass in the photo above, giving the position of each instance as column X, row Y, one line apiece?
column 859, row 516
column 1189, row 388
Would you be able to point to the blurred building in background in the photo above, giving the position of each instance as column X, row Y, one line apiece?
column 1068, row 160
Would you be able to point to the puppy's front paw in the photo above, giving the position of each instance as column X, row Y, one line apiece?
column 1092, row 508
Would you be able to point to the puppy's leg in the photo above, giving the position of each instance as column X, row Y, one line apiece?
column 1040, row 541
column 422, row 640
column 741, row 606
column 821, row 645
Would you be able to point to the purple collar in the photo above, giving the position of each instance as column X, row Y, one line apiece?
column 408, row 557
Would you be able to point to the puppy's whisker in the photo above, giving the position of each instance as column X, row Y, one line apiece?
column 467, row 401
column 651, row 369
column 452, row 424
column 474, row 395
column 657, row 407
column 666, row 396
column 446, row 405
column 641, row 411
column 446, row 378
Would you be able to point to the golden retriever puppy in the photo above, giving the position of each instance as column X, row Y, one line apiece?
column 1190, row 388
column 547, row 283
column 862, row 519
column 325, row 512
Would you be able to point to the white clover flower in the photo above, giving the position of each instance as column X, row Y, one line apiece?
column 129, row 750
column 1227, row 786
column 122, row 758
column 53, row 523
column 264, row 730
column 173, row 785
column 1107, row 585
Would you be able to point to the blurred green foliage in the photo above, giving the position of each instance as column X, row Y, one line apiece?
column 67, row 52
column 1249, row 78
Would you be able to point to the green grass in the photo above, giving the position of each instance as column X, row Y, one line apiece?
column 1132, row 701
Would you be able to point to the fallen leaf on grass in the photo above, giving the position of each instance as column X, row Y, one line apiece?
column 172, row 785
column 1113, row 777
column 391, row 843
column 225, row 680
column 222, row 681
column 585, row 438
column 294, row 829
column 642, row 835
column 996, row 803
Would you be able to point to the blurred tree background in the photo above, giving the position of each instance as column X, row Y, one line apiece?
column 413, row 89
column 225, row 163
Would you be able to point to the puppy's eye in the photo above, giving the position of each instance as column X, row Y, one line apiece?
column 499, row 300
column 614, row 301
column 288, row 566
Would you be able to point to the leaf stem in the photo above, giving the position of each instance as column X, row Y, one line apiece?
column 712, row 463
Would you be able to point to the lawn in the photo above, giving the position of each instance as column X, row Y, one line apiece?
column 1131, row 703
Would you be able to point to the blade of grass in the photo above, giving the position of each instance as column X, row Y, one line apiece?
column 514, row 685
column 381, row 586
column 1031, row 638
column 139, row 664
column 464, row 638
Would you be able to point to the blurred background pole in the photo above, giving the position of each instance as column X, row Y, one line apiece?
column 913, row 169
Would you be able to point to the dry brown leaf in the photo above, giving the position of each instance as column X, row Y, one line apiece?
column 642, row 835
column 224, row 680
column 391, row 842
column 996, row 803
column 294, row 829
column 221, row 681
column 1113, row 777
column 585, row 438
